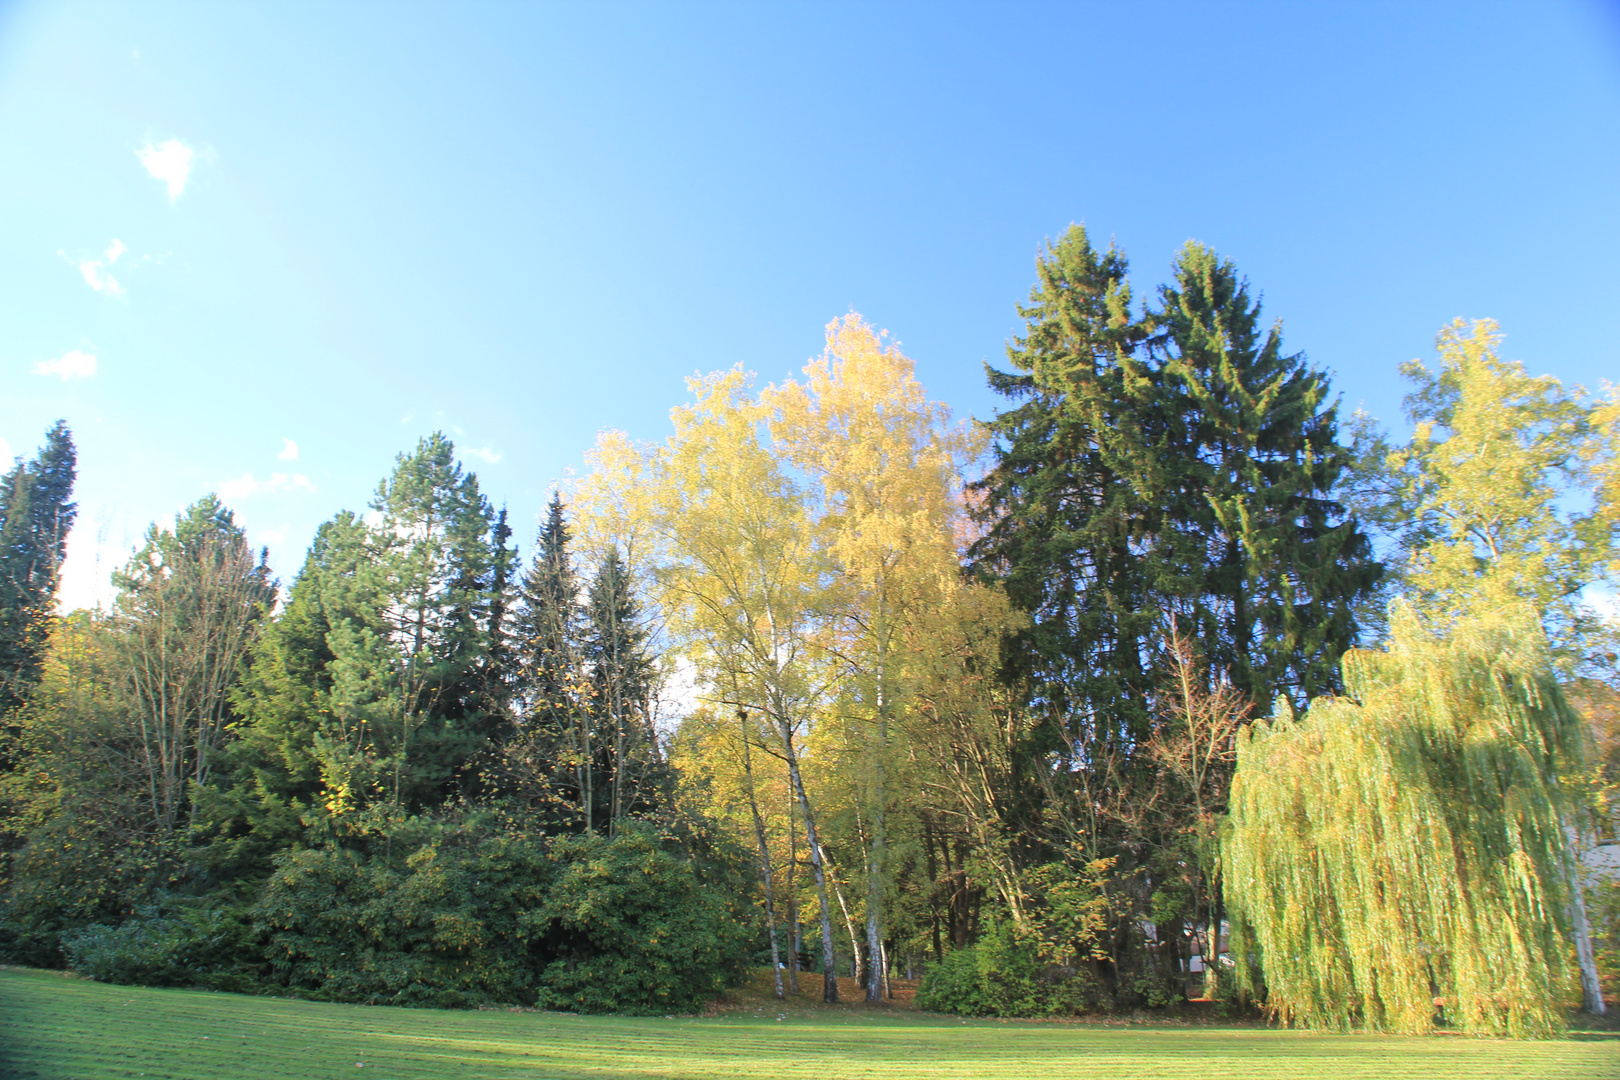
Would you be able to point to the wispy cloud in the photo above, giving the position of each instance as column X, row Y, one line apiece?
column 289, row 450
column 101, row 541
column 1604, row 601
column 483, row 453
column 169, row 161
column 247, row 484
column 95, row 272
column 73, row 364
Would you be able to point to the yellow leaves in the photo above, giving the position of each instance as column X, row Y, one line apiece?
column 1494, row 452
column 610, row 503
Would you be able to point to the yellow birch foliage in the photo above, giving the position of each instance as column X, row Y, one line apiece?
column 1496, row 456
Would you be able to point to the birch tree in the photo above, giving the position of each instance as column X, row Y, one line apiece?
column 882, row 461
column 190, row 604
column 739, row 579
column 1506, row 492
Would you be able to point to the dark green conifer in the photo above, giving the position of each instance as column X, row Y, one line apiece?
column 619, row 671
column 1069, row 506
column 36, row 514
column 1255, row 555
column 549, row 762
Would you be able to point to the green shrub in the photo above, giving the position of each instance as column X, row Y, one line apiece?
column 208, row 947
column 444, row 926
column 636, row 928
column 1004, row 976
column 77, row 870
column 631, row 924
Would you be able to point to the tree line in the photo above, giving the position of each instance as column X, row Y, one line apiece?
column 829, row 680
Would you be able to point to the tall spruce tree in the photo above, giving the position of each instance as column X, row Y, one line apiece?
column 1069, row 504
column 1254, row 551
column 1163, row 470
column 620, row 676
column 548, row 762
column 1172, row 462
column 36, row 514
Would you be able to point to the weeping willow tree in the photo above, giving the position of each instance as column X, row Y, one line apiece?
column 1401, row 857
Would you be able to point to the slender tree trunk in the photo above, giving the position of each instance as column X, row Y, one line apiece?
column 1212, row 942
column 793, row 897
column 933, row 887
column 874, row 895
column 1591, row 987
column 764, row 855
column 616, row 703
column 874, row 930
column 829, row 972
column 849, row 928
column 587, row 771
column 875, row 864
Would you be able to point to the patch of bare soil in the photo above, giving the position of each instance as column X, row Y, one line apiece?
column 757, row 997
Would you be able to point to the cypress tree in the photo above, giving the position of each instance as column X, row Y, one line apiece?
column 36, row 515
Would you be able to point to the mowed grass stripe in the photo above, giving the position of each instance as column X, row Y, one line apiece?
column 69, row 1029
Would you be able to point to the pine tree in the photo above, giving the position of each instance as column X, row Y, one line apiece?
column 35, row 518
column 368, row 699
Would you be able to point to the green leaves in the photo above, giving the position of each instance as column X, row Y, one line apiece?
column 1399, row 859
column 586, row 924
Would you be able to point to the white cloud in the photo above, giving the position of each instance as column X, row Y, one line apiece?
column 289, row 450
column 1604, row 601
column 247, row 484
column 484, row 453
column 100, row 542
column 95, row 270
column 5, row 454
column 74, row 364
column 170, row 162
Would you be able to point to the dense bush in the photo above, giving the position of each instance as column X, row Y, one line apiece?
column 637, row 928
column 188, row 946
column 1004, row 976
column 589, row 924
column 78, row 869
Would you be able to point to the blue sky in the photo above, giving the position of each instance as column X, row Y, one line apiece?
column 525, row 223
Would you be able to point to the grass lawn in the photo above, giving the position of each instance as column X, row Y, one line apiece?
column 57, row 1026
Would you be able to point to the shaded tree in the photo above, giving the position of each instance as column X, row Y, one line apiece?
column 36, row 515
